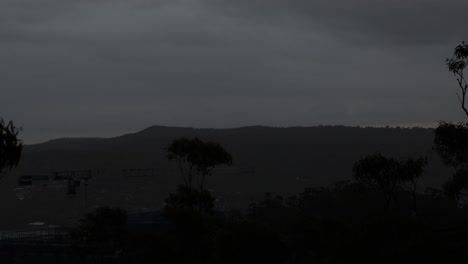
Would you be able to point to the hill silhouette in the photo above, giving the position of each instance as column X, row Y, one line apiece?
column 266, row 159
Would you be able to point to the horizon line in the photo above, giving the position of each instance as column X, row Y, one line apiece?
column 429, row 125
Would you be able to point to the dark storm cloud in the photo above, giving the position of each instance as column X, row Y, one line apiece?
column 414, row 22
column 83, row 67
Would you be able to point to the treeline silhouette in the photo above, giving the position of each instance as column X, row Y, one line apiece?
column 379, row 217
column 342, row 223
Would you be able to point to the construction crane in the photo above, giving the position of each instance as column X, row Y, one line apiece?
column 74, row 179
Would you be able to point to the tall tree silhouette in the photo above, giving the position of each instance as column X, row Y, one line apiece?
column 197, row 158
column 451, row 140
column 194, row 158
column 10, row 147
column 181, row 151
column 409, row 172
column 457, row 65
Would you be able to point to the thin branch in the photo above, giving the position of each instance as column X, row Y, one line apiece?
column 459, row 98
column 464, row 87
column 179, row 160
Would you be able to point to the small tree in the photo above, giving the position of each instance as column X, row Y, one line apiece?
column 10, row 147
column 410, row 171
column 376, row 170
column 389, row 175
column 194, row 158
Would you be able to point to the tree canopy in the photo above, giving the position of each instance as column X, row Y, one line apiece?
column 390, row 174
column 195, row 157
column 451, row 143
column 451, row 140
column 10, row 147
column 457, row 65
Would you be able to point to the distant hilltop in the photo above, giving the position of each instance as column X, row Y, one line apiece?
column 159, row 128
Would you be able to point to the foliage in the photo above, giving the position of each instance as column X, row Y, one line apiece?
column 334, row 224
column 190, row 214
column 457, row 65
column 188, row 201
column 451, row 140
column 103, row 225
column 410, row 170
column 451, row 143
column 340, row 224
column 10, row 146
column 196, row 157
column 376, row 169
column 389, row 174
column 458, row 185
column 380, row 171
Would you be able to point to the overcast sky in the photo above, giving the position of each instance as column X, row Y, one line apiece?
column 106, row 67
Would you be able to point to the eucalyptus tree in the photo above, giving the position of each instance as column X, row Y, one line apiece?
column 390, row 175
column 457, row 187
column 409, row 172
column 10, row 147
column 457, row 65
column 195, row 159
column 451, row 140
column 378, row 171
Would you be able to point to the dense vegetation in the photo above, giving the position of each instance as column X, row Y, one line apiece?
column 343, row 223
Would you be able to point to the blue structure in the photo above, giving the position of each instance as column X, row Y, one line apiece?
column 147, row 218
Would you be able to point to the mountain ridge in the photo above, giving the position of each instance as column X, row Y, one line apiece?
column 153, row 128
